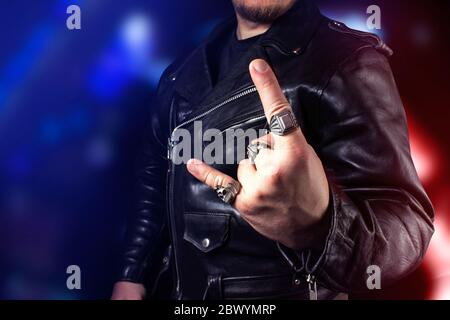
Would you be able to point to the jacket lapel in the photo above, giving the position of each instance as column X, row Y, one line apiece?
column 288, row 36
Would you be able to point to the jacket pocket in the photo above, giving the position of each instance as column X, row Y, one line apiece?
column 236, row 136
column 247, row 121
column 206, row 231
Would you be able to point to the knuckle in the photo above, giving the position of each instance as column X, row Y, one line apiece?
column 274, row 175
column 299, row 154
column 207, row 177
column 278, row 105
column 211, row 179
column 259, row 196
column 268, row 83
column 219, row 180
column 275, row 179
column 242, row 207
column 304, row 154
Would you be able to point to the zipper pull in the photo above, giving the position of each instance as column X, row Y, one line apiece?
column 170, row 145
column 312, row 285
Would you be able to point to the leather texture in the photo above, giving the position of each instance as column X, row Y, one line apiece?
column 345, row 99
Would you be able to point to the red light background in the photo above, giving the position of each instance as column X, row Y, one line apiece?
column 419, row 34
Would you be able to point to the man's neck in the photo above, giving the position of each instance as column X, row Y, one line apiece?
column 248, row 29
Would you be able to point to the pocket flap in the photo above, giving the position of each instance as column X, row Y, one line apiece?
column 206, row 231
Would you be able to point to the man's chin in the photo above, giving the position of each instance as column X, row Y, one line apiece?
column 260, row 14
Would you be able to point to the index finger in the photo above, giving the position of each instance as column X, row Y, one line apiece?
column 270, row 93
column 273, row 99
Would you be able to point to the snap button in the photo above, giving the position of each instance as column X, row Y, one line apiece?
column 297, row 281
column 205, row 243
column 297, row 51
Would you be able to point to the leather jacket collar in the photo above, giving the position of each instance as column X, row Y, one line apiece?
column 289, row 35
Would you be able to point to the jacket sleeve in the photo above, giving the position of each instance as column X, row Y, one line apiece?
column 146, row 224
column 379, row 212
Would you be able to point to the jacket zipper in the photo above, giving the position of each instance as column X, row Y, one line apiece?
column 170, row 182
column 252, row 120
column 169, row 197
column 170, row 175
column 312, row 286
column 235, row 97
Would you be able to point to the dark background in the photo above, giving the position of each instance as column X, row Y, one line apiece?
column 73, row 105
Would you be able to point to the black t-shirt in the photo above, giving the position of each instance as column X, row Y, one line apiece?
column 227, row 54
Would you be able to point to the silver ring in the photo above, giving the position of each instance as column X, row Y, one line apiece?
column 229, row 193
column 283, row 123
column 254, row 148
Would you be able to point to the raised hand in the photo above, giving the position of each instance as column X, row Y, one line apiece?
column 284, row 193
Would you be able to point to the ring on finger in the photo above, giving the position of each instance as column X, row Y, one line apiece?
column 283, row 123
column 254, row 148
column 229, row 193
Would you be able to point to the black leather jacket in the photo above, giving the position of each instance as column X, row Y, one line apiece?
column 343, row 93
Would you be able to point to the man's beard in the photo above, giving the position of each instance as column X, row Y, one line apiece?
column 259, row 14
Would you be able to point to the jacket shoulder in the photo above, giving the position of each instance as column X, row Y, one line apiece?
column 364, row 38
column 341, row 41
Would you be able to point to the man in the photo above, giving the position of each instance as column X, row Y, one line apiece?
column 328, row 195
